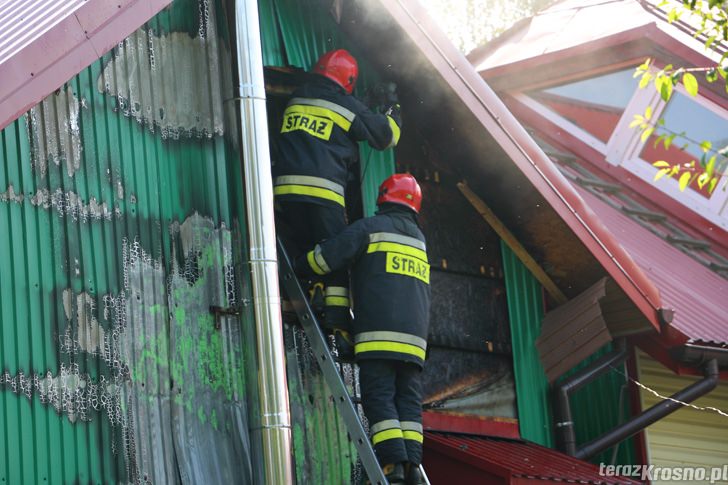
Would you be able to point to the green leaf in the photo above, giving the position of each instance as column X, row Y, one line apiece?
column 710, row 167
column 658, row 140
column 660, row 163
column 703, row 179
column 705, row 146
column 661, row 173
column 666, row 90
column 713, row 183
column 684, row 181
column 646, row 134
column 672, row 16
column 668, row 140
column 712, row 75
column 635, row 122
column 690, row 83
column 648, row 112
column 710, row 41
column 645, row 80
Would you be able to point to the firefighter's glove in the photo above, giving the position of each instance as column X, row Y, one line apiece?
column 394, row 111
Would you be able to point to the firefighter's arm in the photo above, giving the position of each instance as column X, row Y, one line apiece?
column 335, row 253
column 381, row 131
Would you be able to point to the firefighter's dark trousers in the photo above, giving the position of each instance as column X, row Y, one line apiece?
column 304, row 225
column 391, row 394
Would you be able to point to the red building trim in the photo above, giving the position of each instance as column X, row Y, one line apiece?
column 470, row 424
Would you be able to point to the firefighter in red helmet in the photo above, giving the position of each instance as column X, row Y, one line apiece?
column 391, row 288
column 317, row 146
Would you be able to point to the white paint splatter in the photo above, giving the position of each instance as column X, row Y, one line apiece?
column 54, row 132
column 72, row 205
column 10, row 196
column 173, row 83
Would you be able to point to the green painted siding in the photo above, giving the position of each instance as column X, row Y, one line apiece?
column 525, row 310
column 596, row 408
column 120, row 224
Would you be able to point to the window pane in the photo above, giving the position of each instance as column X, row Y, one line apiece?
column 594, row 105
column 691, row 123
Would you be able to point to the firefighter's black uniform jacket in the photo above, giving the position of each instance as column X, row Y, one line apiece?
column 390, row 282
column 317, row 144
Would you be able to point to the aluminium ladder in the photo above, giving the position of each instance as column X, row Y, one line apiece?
column 318, row 343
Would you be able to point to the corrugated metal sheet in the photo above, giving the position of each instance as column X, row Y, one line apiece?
column 688, row 437
column 120, row 224
column 45, row 42
column 525, row 311
column 520, row 459
column 697, row 294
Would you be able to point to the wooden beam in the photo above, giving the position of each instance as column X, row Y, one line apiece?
column 513, row 243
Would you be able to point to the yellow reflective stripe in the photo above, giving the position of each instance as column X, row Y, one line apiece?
column 302, row 109
column 310, row 191
column 395, row 132
column 389, row 434
column 336, row 301
column 413, row 435
column 313, row 264
column 379, row 346
column 397, row 248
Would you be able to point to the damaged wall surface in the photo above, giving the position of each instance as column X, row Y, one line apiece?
column 120, row 225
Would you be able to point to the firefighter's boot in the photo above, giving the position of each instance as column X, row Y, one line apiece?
column 394, row 473
column 415, row 476
column 344, row 345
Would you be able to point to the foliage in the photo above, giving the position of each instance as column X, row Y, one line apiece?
column 711, row 17
column 471, row 23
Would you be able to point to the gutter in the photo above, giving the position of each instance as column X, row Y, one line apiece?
column 564, row 421
column 275, row 413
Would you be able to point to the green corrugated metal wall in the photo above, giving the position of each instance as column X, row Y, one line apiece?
column 595, row 408
column 120, row 223
column 525, row 311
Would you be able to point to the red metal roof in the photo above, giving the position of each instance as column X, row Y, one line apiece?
column 698, row 295
column 516, row 461
column 43, row 43
column 489, row 111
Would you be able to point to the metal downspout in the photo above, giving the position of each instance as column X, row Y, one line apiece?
column 273, row 389
column 566, row 437
column 655, row 413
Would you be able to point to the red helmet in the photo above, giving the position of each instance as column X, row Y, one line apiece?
column 340, row 67
column 401, row 188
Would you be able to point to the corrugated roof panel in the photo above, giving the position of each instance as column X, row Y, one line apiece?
column 524, row 459
column 697, row 294
column 43, row 43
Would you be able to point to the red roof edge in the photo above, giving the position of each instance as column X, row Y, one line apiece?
column 525, row 153
column 65, row 49
column 472, row 424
